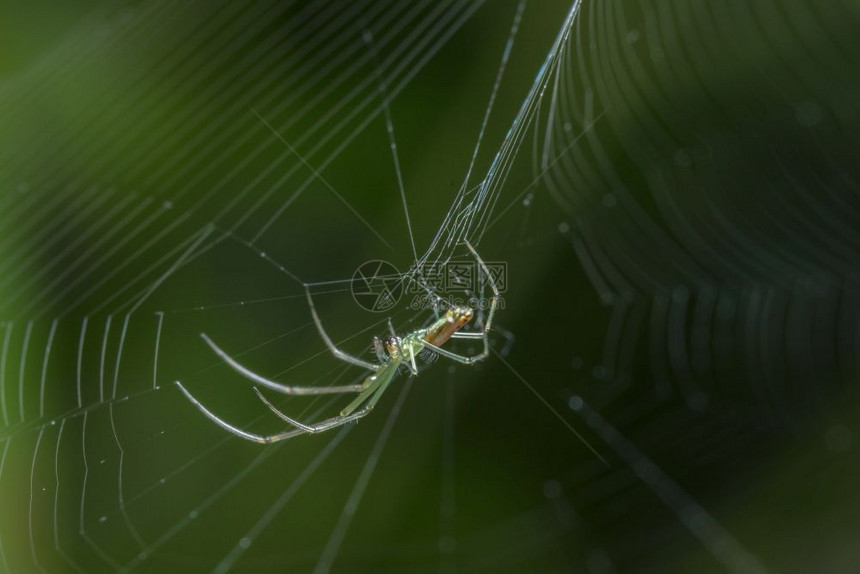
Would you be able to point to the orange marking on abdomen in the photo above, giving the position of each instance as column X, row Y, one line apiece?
column 440, row 336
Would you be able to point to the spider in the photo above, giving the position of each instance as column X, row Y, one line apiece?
column 394, row 352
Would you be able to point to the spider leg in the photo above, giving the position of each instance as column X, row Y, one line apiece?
column 376, row 385
column 334, row 350
column 274, row 385
column 494, row 301
column 412, row 366
column 314, row 427
column 469, row 335
column 262, row 439
column 374, row 381
column 460, row 358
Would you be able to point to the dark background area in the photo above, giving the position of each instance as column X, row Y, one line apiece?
column 680, row 234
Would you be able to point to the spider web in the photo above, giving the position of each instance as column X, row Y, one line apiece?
column 174, row 169
column 161, row 206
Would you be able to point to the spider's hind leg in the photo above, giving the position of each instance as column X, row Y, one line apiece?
column 461, row 358
column 494, row 301
column 261, row 439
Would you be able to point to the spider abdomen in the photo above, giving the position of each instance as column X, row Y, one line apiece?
column 444, row 328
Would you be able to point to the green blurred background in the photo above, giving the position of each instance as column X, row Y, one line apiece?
column 680, row 234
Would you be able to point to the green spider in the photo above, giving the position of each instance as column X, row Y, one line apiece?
column 394, row 352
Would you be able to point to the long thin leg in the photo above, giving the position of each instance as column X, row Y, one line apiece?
column 274, row 385
column 412, row 366
column 494, row 302
column 315, row 427
column 460, row 358
column 334, row 350
column 379, row 380
column 268, row 439
column 378, row 394
column 374, row 392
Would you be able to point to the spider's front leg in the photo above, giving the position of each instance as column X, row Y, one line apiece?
column 330, row 344
column 374, row 386
column 275, row 385
column 262, row 439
